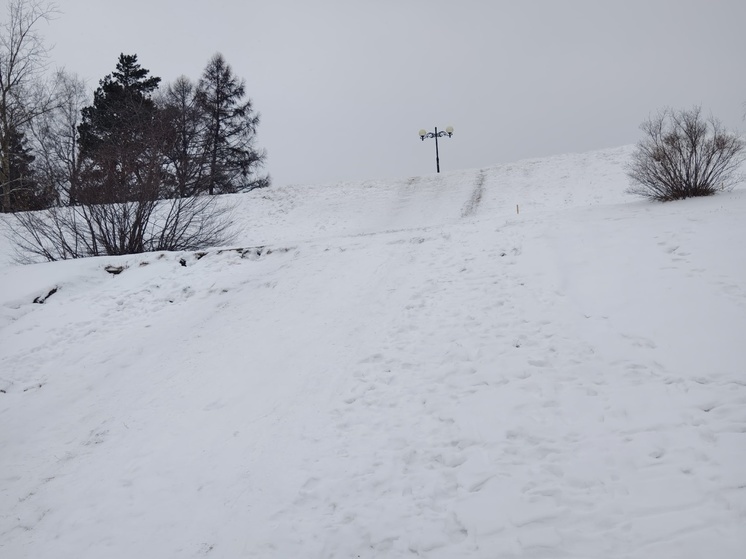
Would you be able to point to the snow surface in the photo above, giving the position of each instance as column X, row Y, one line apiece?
column 407, row 369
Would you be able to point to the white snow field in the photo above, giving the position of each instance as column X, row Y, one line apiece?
column 406, row 369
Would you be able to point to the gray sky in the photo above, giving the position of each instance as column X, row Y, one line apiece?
column 343, row 86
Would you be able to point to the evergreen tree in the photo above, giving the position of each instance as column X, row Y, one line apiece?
column 121, row 136
column 231, row 129
column 121, row 101
column 24, row 190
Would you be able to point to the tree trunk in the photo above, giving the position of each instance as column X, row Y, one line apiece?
column 5, row 177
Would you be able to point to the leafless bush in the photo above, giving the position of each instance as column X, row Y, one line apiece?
column 61, row 233
column 684, row 155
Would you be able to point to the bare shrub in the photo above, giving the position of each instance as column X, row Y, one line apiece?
column 61, row 233
column 684, row 155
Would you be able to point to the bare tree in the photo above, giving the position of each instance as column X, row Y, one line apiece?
column 684, row 155
column 56, row 139
column 187, row 156
column 23, row 97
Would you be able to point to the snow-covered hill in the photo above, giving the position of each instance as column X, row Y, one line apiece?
column 518, row 361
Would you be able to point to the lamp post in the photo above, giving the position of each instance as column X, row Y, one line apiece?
column 424, row 134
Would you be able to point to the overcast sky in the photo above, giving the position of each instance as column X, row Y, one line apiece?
column 343, row 86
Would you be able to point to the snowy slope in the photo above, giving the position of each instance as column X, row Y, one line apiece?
column 407, row 369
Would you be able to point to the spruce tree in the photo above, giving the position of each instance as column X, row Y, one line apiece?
column 230, row 132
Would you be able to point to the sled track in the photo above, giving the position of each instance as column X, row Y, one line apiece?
column 471, row 205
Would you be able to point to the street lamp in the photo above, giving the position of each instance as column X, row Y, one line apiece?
column 425, row 134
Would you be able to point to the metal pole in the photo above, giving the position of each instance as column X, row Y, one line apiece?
column 437, row 156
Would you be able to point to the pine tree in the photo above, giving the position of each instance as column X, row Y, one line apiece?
column 122, row 99
column 231, row 129
column 120, row 137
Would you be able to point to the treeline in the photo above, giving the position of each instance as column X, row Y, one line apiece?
column 135, row 141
